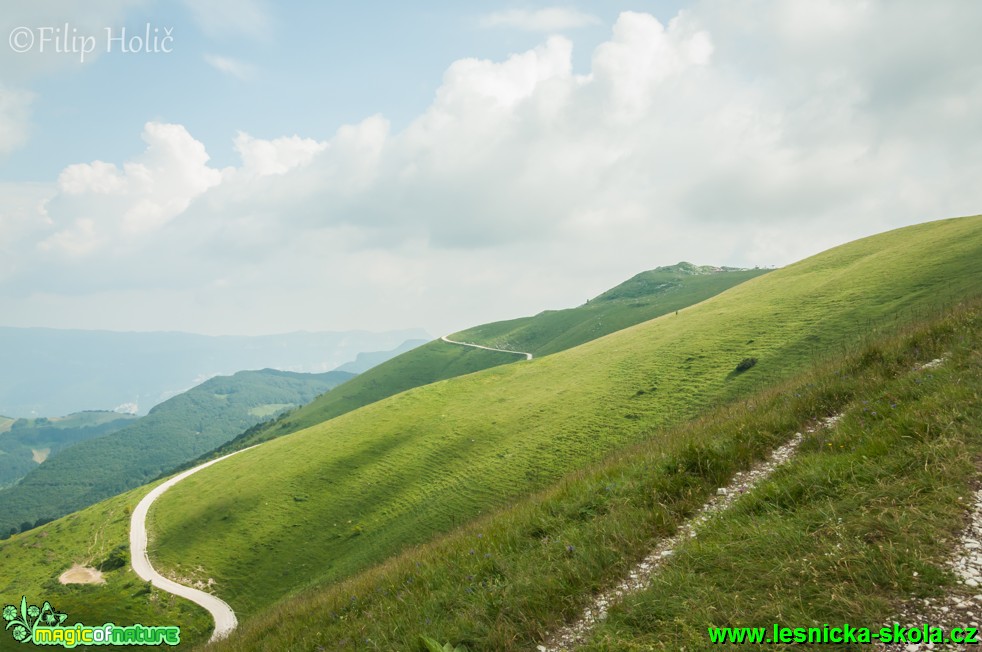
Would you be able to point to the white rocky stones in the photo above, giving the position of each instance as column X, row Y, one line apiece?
column 574, row 634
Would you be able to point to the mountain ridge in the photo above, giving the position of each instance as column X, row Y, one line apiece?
column 173, row 432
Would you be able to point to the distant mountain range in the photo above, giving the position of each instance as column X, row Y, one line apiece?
column 177, row 430
column 46, row 372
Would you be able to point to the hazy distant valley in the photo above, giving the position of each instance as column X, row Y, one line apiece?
column 51, row 373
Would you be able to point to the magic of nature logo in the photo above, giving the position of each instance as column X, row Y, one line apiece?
column 45, row 626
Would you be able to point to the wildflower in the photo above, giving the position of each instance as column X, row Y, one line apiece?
column 33, row 611
column 9, row 612
column 20, row 633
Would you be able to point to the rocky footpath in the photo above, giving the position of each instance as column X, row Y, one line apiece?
column 572, row 635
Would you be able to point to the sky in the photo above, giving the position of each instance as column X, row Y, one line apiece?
column 252, row 167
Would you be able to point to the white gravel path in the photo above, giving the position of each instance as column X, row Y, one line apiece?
column 225, row 620
column 574, row 634
column 528, row 356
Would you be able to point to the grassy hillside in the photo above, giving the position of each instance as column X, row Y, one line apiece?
column 864, row 520
column 175, row 431
column 321, row 504
column 857, row 523
column 423, row 365
column 94, row 537
column 646, row 296
column 29, row 442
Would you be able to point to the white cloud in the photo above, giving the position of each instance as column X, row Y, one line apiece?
column 278, row 156
column 549, row 19
column 734, row 134
column 99, row 202
column 229, row 66
column 642, row 55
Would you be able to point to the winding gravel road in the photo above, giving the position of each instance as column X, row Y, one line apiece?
column 221, row 612
column 225, row 620
column 528, row 356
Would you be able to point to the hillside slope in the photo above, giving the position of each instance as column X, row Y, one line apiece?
column 29, row 442
column 175, row 431
column 643, row 297
column 93, row 537
column 858, row 522
column 323, row 503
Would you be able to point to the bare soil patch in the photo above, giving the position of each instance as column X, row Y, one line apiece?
column 79, row 574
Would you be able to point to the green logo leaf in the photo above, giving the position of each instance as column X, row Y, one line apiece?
column 23, row 621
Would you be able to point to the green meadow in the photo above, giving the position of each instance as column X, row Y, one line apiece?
column 319, row 505
column 428, row 363
column 97, row 536
column 645, row 296
column 863, row 520
column 860, row 521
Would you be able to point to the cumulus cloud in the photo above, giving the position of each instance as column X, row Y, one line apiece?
column 99, row 201
column 277, row 156
column 549, row 19
column 742, row 133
